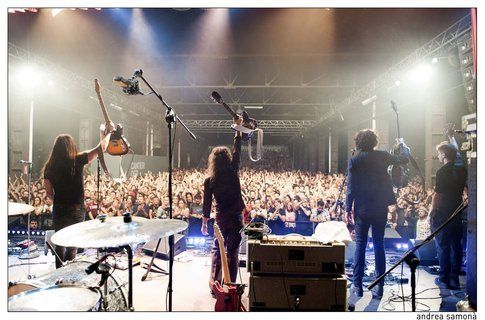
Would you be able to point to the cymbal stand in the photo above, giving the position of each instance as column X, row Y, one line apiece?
column 29, row 255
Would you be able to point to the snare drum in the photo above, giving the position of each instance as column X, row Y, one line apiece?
column 62, row 289
column 62, row 297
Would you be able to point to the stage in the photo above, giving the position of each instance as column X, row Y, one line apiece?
column 191, row 290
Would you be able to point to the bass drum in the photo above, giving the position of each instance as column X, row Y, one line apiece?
column 22, row 286
column 65, row 282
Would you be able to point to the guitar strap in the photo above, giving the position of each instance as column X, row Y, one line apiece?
column 259, row 145
column 101, row 161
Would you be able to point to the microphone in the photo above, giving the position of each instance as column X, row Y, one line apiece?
column 93, row 267
column 25, row 162
column 130, row 86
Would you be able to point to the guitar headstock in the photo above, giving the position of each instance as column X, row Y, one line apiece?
column 97, row 87
column 394, row 106
column 216, row 97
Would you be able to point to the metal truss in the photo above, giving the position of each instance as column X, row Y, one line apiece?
column 269, row 126
column 445, row 41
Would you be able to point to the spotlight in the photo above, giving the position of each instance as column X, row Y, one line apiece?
column 202, row 240
column 405, row 246
column 434, row 60
column 190, row 240
column 369, row 100
column 371, row 245
column 29, row 76
column 469, row 88
column 421, row 73
column 399, row 246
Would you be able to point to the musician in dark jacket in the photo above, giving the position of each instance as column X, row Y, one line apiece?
column 450, row 183
column 369, row 193
column 223, row 184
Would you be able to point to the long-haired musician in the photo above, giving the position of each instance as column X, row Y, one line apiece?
column 223, row 183
column 63, row 180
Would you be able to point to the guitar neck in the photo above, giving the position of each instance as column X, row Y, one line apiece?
column 398, row 129
column 103, row 108
column 233, row 114
column 225, row 266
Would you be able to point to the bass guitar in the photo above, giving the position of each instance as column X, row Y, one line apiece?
column 249, row 123
column 118, row 145
column 248, row 128
column 400, row 173
column 228, row 294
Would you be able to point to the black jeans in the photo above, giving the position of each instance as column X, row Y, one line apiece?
column 362, row 225
column 232, row 239
column 64, row 216
column 449, row 248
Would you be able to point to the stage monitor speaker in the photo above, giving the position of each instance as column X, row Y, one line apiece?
column 180, row 245
column 427, row 254
column 285, row 293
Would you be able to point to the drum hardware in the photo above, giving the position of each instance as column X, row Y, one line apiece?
column 31, row 252
column 123, row 232
column 64, row 288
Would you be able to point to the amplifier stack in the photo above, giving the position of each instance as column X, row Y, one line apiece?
column 296, row 273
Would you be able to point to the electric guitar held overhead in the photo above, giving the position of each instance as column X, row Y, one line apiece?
column 228, row 294
column 248, row 123
column 118, row 145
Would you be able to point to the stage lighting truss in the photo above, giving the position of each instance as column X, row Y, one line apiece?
column 449, row 39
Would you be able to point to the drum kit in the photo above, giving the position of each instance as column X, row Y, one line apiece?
column 15, row 209
column 74, row 287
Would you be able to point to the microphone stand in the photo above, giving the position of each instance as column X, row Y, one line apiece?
column 170, row 117
column 338, row 203
column 412, row 261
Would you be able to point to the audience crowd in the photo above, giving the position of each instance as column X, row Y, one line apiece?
column 288, row 201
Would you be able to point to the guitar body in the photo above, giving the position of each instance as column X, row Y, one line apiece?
column 228, row 298
column 399, row 173
column 248, row 123
column 118, row 145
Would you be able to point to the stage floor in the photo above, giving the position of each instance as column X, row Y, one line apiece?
column 191, row 290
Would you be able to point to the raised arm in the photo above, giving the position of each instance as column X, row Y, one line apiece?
column 236, row 152
column 104, row 136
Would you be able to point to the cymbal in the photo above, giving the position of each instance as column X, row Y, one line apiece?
column 114, row 232
column 15, row 208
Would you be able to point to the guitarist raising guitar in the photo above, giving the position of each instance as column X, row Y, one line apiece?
column 222, row 183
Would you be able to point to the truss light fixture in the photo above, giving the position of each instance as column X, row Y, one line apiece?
column 369, row 100
column 253, row 107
